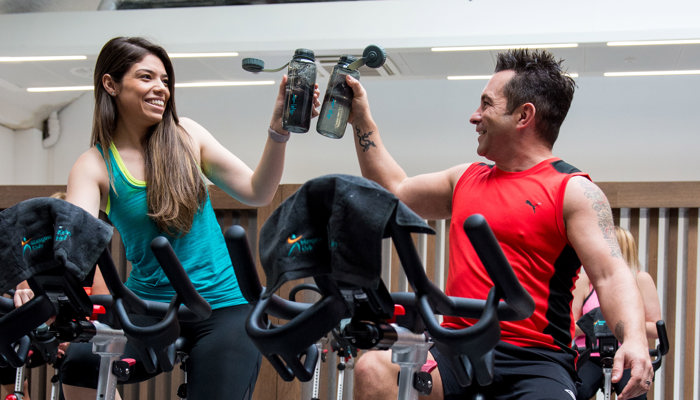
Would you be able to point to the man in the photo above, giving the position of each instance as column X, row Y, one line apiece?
column 548, row 217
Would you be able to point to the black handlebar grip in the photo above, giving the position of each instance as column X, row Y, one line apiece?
column 497, row 266
column 663, row 337
column 243, row 264
column 178, row 277
column 6, row 305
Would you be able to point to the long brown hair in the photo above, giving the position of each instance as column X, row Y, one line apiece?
column 174, row 190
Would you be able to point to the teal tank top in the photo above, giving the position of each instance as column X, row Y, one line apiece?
column 202, row 251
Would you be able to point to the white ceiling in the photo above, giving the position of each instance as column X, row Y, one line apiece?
column 407, row 29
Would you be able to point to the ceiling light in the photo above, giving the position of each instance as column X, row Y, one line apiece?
column 59, row 89
column 179, row 85
column 652, row 73
column 202, row 55
column 507, row 47
column 653, row 42
column 42, row 58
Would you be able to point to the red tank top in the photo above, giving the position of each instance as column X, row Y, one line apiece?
column 525, row 211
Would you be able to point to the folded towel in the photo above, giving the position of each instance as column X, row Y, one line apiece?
column 42, row 233
column 333, row 225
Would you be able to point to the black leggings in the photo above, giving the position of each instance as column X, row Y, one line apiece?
column 223, row 362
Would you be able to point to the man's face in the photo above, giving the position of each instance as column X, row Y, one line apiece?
column 493, row 123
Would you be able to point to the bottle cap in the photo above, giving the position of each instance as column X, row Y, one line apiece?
column 374, row 56
column 253, row 64
column 305, row 53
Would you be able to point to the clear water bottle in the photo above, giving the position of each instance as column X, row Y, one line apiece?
column 336, row 106
column 299, row 94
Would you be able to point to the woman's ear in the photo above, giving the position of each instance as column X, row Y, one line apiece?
column 109, row 84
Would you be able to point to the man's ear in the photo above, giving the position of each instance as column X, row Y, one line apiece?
column 110, row 85
column 526, row 115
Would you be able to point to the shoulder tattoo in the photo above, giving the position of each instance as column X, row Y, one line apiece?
column 363, row 139
column 603, row 213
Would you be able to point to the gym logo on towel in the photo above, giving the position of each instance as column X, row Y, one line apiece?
column 31, row 244
column 299, row 245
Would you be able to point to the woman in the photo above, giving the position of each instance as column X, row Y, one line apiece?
column 145, row 171
column 586, row 300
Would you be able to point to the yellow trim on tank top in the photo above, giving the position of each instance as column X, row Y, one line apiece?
column 122, row 167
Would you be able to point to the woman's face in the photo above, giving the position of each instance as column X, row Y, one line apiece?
column 143, row 92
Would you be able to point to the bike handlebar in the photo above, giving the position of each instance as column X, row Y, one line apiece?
column 178, row 278
column 499, row 269
column 7, row 304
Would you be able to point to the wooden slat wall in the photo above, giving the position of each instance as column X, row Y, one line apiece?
column 663, row 217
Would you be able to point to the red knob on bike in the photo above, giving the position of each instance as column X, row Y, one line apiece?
column 97, row 310
column 11, row 397
column 398, row 310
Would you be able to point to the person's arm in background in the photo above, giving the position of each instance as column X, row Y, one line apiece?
column 590, row 228
column 652, row 307
column 581, row 291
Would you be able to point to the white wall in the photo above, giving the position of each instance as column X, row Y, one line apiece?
column 7, row 158
column 619, row 129
column 32, row 161
column 645, row 135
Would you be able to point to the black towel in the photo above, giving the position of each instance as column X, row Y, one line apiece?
column 43, row 233
column 333, row 225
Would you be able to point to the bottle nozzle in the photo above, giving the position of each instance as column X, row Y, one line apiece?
column 373, row 56
column 257, row 65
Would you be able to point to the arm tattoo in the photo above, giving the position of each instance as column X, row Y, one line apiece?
column 620, row 330
column 363, row 140
column 604, row 214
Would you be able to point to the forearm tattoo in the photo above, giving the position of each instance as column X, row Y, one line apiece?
column 620, row 331
column 364, row 141
column 604, row 213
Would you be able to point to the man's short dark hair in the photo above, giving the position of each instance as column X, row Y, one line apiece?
column 539, row 79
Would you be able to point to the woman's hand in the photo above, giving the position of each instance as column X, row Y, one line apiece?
column 278, row 110
column 22, row 294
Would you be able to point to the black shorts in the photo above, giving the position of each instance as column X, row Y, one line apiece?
column 519, row 373
column 223, row 362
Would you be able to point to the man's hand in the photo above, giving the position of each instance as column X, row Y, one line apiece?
column 635, row 357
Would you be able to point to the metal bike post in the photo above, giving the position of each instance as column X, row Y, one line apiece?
column 317, row 374
column 341, row 377
column 109, row 344
column 19, row 382
column 607, row 374
column 409, row 352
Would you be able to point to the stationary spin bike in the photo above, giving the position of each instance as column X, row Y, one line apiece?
column 363, row 313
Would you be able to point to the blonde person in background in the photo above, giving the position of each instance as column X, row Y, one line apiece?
column 585, row 299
